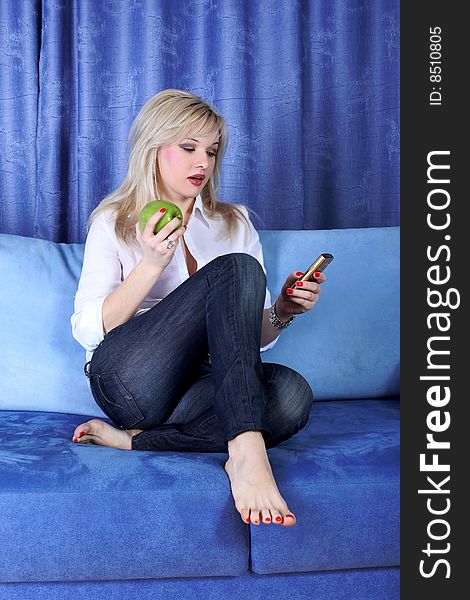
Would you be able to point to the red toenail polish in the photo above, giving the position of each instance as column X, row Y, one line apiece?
column 291, row 516
column 81, row 434
column 247, row 520
column 75, row 439
column 278, row 519
column 267, row 520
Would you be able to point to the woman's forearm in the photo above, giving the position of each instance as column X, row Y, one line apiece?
column 268, row 331
column 124, row 301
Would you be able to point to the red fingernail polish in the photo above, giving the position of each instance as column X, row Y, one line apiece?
column 299, row 274
column 162, row 210
column 317, row 274
column 299, row 283
column 178, row 217
column 289, row 291
column 278, row 519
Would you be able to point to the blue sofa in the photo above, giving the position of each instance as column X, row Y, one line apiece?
column 86, row 520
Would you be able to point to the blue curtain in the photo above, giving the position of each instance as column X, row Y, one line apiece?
column 310, row 91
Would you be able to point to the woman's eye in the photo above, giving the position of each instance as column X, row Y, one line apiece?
column 212, row 154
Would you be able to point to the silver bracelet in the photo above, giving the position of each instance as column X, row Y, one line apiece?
column 276, row 321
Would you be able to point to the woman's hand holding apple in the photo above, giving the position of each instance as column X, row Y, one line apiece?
column 154, row 246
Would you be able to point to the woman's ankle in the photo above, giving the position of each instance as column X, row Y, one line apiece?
column 134, row 432
column 245, row 440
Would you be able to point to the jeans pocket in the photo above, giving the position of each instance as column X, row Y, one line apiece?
column 115, row 400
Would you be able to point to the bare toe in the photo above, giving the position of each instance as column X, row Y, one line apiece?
column 245, row 512
column 266, row 516
column 289, row 520
column 98, row 432
column 252, row 481
column 81, row 431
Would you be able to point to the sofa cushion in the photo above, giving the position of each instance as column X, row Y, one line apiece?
column 84, row 512
column 43, row 368
column 360, row 584
column 348, row 347
column 341, row 478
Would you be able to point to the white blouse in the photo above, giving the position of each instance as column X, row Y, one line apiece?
column 107, row 262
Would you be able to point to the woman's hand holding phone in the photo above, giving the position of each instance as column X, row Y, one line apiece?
column 301, row 290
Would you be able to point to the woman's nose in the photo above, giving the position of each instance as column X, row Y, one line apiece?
column 202, row 161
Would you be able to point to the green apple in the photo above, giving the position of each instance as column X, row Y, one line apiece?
column 151, row 208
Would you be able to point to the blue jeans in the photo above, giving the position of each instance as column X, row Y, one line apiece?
column 155, row 373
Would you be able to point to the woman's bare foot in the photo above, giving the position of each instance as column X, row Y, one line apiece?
column 104, row 434
column 254, row 489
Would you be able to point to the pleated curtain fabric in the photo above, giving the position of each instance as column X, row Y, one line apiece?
column 309, row 89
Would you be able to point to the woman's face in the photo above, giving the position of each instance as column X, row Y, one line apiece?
column 177, row 163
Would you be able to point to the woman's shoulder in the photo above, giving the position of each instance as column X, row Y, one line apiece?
column 250, row 218
column 242, row 230
column 250, row 214
column 104, row 217
column 235, row 208
column 101, row 228
column 104, row 220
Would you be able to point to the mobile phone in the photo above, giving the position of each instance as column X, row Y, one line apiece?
column 317, row 266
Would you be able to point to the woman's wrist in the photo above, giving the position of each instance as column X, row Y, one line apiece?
column 281, row 315
column 123, row 302
column 149, row 269
column 275, row 321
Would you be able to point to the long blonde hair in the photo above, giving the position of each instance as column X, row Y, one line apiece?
column 167, row 118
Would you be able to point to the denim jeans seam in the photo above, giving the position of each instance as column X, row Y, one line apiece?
column 272, row 374
column 235, row 336
column 201, row 426
column 96, row 395
column 102, row 404
column 248, row 403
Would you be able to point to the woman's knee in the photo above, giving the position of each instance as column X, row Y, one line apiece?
column 290, row 395
column 245, row 264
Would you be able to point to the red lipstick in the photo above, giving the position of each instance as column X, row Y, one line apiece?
column 197, row 179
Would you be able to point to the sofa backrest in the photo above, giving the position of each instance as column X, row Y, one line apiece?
column 347, row 347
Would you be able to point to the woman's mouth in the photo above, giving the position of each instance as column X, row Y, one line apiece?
column 197, row 179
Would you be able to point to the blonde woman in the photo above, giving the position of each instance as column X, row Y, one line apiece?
column 173, row 323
